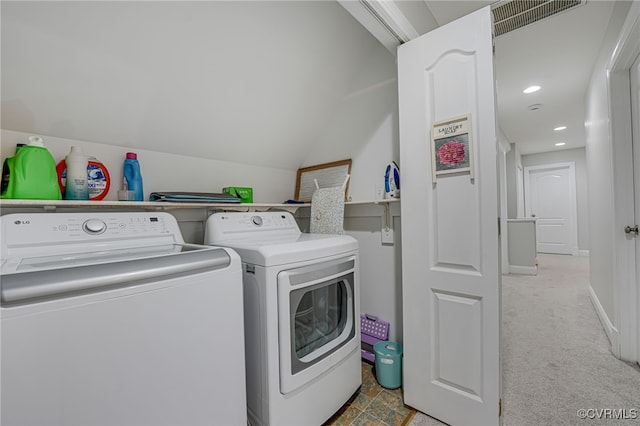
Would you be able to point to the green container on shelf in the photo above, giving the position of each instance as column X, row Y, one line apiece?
column 245, row 194
column 32, row 173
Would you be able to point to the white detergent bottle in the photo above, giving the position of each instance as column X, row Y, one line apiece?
column 76, row 187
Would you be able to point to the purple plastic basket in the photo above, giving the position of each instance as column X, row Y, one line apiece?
column 372, row 331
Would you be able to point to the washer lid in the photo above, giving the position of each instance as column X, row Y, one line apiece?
column 22, row 264
column 42, row 276
column 290, row 249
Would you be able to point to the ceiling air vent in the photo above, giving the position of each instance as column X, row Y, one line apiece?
column 509, row 15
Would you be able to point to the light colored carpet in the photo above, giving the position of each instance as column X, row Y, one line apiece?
column 556, row 357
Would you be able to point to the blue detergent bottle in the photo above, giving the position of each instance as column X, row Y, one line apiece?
column 132, row 175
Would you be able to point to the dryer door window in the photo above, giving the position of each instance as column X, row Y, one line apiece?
column 317, row 326
column 319, row 317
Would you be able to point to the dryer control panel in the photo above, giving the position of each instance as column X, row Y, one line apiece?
column 235, row 226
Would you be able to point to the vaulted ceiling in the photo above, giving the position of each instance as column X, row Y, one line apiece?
column 257, row 82
column 250, row 82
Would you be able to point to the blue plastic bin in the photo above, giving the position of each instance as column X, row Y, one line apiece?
column 388, row 364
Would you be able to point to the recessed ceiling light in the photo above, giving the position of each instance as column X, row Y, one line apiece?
column 557, row 129
column 560, row 143
column 531, row 89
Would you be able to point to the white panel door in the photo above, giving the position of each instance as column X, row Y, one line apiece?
column 450, row 261
column 550, row 197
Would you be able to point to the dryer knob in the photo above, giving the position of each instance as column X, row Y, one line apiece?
column 257, row 220
column 94, row 226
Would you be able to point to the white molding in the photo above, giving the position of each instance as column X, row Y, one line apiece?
column 392, row 20
column 503, row 143
column 366, row 19
column 523, row 270
column 609, row 328
column 584, row 253
column 519, row 189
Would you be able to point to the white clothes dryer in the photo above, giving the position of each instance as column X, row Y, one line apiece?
column 301, row 298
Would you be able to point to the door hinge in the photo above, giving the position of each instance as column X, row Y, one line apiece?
column 499, row 230
column 500, row 408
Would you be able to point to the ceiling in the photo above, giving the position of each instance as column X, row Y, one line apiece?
column 558, row 54
column 227, row 81
column 263, row 83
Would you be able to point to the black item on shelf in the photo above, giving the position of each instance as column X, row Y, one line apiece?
column 193, row 197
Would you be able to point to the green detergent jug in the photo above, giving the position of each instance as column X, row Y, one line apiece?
column 6, row 170
column 32, row 173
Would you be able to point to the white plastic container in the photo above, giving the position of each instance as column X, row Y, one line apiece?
column 76, row 184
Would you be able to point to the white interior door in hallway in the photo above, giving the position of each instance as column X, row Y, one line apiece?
column 550, row 197
column 450, row 263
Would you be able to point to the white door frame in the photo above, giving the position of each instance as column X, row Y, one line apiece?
column 635, row 109
column 503, row 149
column 573, row 210
column 624, row 340
column 519, row 191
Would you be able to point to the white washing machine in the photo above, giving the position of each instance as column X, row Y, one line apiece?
column 301, row 297
column 111, row 319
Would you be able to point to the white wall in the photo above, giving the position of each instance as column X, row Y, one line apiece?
column 600, row 173
column 364, row 127
column 578, row 157
column 380, row 285
column 238, row 81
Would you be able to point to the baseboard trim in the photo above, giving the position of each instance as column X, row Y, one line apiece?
column 523, row 270
column 584, row 253
column 609, row 328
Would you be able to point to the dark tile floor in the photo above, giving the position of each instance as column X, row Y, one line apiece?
column 373, row 405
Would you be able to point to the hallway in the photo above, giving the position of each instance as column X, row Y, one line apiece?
column 556, row 358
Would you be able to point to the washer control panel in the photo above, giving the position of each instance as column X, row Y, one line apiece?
column 48, row 228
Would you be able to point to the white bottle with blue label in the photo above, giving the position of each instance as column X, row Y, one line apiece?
column 76, row 187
